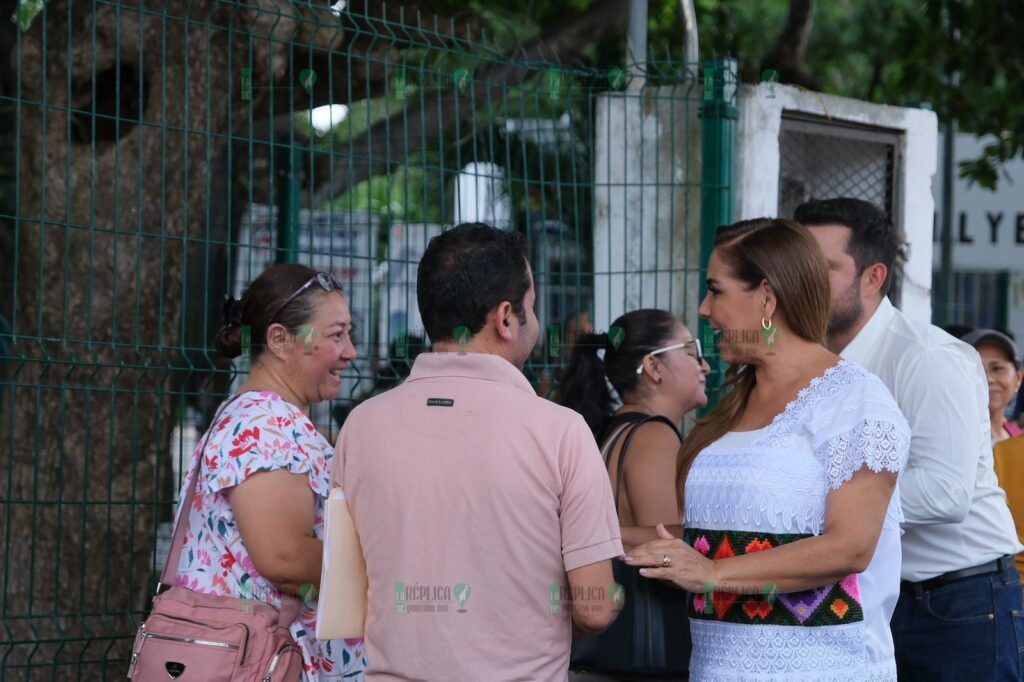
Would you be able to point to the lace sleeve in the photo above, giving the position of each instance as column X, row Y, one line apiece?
column 879, row 445
column 865, row 429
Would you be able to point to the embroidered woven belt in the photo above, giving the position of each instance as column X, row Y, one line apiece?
column 834, row 604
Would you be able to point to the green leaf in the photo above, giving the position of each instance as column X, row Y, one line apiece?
column 26, row 12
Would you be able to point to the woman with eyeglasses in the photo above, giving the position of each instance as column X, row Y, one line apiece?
column 655, row 366
column 257, row 520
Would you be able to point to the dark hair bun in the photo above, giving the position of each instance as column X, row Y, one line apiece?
column 229, row 341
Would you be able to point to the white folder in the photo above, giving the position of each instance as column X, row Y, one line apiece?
column 341, row 610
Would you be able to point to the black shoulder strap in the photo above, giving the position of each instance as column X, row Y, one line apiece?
column 632, row 429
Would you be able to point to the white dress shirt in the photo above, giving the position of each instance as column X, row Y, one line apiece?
column 955, row 512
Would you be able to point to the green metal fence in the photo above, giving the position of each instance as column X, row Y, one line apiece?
column 154, row 157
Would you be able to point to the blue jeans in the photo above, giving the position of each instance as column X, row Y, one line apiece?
column 972, row 629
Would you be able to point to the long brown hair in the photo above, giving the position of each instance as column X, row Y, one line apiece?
column 785, row 255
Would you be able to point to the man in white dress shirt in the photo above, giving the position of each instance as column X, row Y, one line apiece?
column 960, row 595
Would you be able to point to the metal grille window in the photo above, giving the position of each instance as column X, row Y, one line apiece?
column 822, row 160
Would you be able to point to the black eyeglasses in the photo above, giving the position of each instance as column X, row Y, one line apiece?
column 326, row 280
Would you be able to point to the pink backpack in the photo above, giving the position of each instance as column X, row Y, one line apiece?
column 194, row 636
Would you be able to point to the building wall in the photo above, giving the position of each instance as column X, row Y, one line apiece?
column 757, row 178
column 647, row 153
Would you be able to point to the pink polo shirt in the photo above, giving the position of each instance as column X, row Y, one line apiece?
column 472, row 497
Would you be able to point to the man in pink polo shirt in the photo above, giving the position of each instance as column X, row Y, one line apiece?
column 485, row 513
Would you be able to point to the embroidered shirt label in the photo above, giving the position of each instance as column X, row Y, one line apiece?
column 440, row 402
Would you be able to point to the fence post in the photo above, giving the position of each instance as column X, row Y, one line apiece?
column 718, row 151
column 289, row 197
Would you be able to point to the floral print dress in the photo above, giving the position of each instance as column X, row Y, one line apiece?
column 260, row 431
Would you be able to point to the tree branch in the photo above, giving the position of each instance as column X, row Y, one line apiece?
column 407, row 131
column 787, row 57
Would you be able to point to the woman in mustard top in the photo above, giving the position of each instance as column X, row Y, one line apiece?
column 1003, row 368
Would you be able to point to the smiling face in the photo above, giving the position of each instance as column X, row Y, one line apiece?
column 734, row 312
column 683, row 376
column 1003, row 377
column 322, row 349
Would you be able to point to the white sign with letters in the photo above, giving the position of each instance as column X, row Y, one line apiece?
column 988, row 227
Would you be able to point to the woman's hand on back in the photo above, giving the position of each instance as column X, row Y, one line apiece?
column 686, row 568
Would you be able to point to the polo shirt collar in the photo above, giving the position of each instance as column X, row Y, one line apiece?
column 861, row 347
column 485, row 366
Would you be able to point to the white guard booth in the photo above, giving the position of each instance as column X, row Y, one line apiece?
column 793, row 145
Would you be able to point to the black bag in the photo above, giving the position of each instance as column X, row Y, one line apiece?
column 650, row 640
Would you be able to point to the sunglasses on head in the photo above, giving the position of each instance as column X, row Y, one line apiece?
column 325, row 280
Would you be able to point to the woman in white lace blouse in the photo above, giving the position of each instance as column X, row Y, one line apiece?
column 789, row 487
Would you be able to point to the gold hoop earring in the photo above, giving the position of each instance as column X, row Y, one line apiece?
column 766, row 325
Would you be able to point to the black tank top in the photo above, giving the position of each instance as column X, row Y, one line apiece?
column 626, row 418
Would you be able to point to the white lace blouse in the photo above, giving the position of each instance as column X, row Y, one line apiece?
column 751, row 491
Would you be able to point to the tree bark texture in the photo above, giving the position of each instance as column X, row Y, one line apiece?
column 116, row 231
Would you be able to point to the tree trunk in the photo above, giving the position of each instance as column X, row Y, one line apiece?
column 121, row 121
column 787, row 57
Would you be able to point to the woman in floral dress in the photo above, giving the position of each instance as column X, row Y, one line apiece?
column 257, row 520
column 789, row 487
